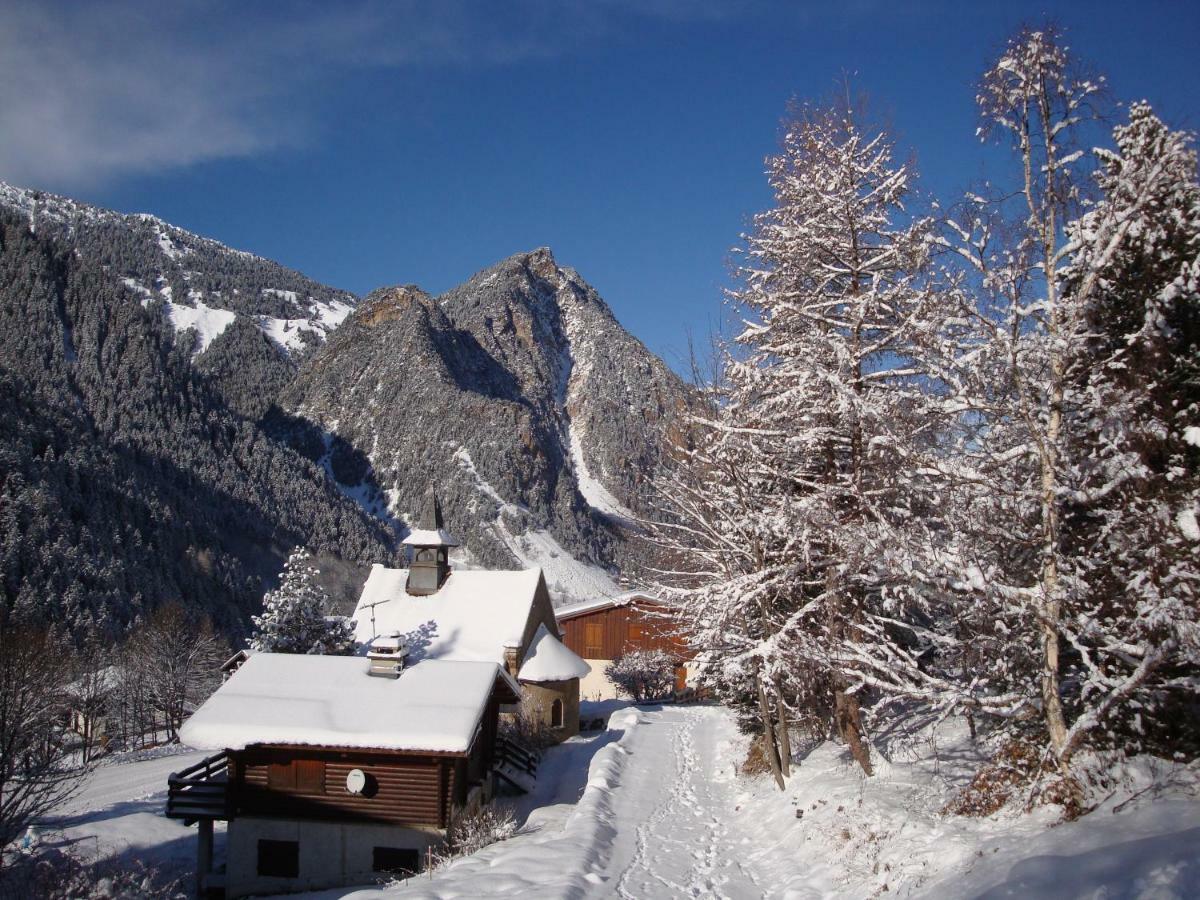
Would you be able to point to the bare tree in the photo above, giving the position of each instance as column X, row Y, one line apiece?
column 180, row 657
column 37, row 769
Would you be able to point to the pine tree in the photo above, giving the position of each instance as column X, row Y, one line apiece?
column 295, row 615
column 1129, row 515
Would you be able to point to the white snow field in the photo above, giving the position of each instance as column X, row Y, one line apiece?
column 118, row 815
column 654, row 808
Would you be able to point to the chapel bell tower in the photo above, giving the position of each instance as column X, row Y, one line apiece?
column 429, row 551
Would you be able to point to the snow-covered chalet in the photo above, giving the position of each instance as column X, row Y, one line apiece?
column 336, row 770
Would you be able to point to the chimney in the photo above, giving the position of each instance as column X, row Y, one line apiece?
column 386, row 656
column 429, row 551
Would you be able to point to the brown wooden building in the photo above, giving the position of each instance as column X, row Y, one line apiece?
column 603, row 630
column 330, row 776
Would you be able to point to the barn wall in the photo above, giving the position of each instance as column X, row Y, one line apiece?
column 610, row 634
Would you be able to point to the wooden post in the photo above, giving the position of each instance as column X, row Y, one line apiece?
column 204, row 857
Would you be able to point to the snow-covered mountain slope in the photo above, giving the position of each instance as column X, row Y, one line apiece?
column 201, row 287
column 519, row 396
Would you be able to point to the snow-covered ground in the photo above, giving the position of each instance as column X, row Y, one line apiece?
column 117, row 814
column 655, row 807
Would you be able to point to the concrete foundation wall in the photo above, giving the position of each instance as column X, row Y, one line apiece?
column 332, row 854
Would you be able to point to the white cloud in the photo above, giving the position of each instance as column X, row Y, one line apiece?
column 91, row 91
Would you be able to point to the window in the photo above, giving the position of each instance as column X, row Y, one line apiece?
column 556, row 714
column 395, row 860
column 310, row 776
column 636, row 633
column 593, row 640
column 306, row 775
column 281, row 776
column 279, row 859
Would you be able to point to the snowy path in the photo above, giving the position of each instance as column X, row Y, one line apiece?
column 125, row 781
column 675, row 813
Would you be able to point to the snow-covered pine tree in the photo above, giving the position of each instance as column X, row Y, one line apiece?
column 806, row 468
column 1133, row 454
column 295, row 617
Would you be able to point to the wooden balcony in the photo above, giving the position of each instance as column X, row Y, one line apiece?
column 201, row 791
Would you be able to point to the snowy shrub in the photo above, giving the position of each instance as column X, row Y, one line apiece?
column 643, row 674
column 472, row 831
column 295, row 615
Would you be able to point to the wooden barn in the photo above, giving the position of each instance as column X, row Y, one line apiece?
column 599, row 631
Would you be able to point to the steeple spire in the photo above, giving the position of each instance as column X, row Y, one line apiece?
column 429, row 549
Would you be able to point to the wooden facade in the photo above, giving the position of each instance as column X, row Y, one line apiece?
column 310, row 783
column 615, row 630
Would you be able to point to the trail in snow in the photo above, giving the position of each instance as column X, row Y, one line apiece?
column 682, row 846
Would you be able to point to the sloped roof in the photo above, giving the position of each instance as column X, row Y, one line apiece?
column 473, row 616
column 549, row 660
column 578, row 609
column 331, row 701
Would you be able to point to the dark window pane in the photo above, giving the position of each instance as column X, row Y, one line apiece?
column 280, row 859
column 395, row 860
column 556, row 714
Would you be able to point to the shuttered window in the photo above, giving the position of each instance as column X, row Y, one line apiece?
column 635, row 632
column 593, row 640
column 310, row 776
column 304, row 775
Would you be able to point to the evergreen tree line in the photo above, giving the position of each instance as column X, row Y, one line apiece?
column 126, row 481
column 949, row 464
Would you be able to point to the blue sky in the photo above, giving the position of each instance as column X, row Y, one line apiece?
column 370, row 143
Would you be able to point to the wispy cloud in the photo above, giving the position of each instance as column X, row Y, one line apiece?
column 90, row 91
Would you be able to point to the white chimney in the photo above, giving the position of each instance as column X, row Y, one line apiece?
column 386, row 656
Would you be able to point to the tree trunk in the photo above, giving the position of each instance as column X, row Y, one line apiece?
column 848, row 717
column 769, row 733
column 785, row 738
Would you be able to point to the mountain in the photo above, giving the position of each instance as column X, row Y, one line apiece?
column 247, row 321
column 518, row 396
column 126, row 478
column 178, row 415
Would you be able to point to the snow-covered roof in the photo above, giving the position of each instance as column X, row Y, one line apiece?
column 331, row 701
column 577, row 609
column 473, row 616
column 428, row 537
column 549, row 660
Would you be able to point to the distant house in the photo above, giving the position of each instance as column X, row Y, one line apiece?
column 336, row 770
column 600, row 631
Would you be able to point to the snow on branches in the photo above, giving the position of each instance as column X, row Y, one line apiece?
column 953, row 464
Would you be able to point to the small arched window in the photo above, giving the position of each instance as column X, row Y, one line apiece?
column 556, row 714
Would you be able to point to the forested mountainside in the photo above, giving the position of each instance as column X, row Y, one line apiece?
column 125, row 479
column 248, row 320
column 518, row 395
column 179, row 415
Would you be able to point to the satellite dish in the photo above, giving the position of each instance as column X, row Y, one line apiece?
column 356, row 781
